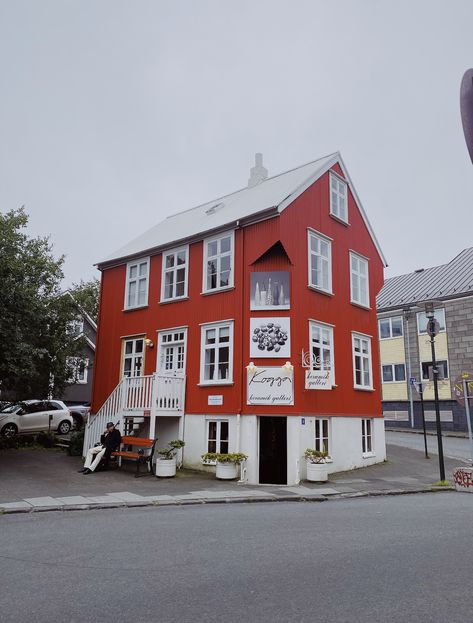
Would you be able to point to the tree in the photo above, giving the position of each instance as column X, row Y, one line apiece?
column 34, row 316
column 86, row 293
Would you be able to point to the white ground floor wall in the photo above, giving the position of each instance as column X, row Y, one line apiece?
column 345, row 442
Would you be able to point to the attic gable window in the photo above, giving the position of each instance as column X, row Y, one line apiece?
column 218, row 262
column 175, row 274
column 338, row 198
column 137, row 278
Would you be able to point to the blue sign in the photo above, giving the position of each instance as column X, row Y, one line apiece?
column 413, row 380
column 303, row 420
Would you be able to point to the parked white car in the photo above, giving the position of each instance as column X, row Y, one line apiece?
column 34, row 416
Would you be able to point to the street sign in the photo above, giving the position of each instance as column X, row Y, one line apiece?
column 433, row 327
column 413, row 380
column 458, row 386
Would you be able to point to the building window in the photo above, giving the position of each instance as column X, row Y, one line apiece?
column 320, row 262
column 74, row 328
column 338, row 197
column 133, row 357
column 367, row 437
column 216, row 354
column 77, row 370
column 172, row 352
column 359, row 280
column 393, row 372
column 321, row 349
column 218, row 262
column 390, row 327
column 427, row 367
column 136, row 291
column 362, row 375
column 174, row 274
column 422, row 320
column 217, row 436
column 322, row 435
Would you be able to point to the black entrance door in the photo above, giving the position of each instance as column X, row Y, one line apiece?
column 273, row 450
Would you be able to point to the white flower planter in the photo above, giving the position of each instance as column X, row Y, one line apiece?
column 166, row 468
column 226, row 471
column 317, row 472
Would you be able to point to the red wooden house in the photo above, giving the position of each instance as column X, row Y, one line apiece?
column 249, row 324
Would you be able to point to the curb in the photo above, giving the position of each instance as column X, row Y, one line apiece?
column 241, row 500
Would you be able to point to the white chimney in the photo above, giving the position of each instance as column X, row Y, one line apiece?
column 257, row 173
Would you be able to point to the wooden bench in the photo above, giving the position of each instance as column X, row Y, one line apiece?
column 139, row 456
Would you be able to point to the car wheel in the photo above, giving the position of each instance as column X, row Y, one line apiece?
column 77, row 421
column 9, row 430
column 64, row 427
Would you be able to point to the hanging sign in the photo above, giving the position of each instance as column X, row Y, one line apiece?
column 318, row 379
column 270, row 386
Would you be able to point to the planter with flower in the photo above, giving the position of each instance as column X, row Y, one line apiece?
column 316, row 465
column 166, row 459
column 226, row 464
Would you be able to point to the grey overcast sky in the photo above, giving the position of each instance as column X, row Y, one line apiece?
column 115, row 114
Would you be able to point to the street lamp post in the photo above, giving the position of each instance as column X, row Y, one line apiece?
column 432, row 330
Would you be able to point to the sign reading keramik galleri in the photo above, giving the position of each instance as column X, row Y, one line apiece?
column 270, row 386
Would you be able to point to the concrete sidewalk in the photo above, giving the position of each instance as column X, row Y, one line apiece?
column 41, row 479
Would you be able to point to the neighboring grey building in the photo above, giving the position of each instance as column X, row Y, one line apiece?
column 405, row 347
column 80, row 391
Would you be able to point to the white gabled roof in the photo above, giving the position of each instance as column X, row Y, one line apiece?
column 274, row 193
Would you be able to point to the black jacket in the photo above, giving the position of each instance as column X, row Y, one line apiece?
column 111, row 441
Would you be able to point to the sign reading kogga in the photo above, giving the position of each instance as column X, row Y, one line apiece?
column 270, row 386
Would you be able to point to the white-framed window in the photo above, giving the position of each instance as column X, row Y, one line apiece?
column 393, row 372
column 320, row 262
column 338, row 197
column 77, row 370
column 172, row 352
column 427, row 367
column 217, row 436
column 133, row 356
column 321, row 348
column 390, row 327
column 359, row 280
column 175, row 274
column 137, row 278
column 74, row 328
column 216, row 358
column 367, row 446
column 322, row 434
column 439, row 315
column 362, row 370
column 218, row 262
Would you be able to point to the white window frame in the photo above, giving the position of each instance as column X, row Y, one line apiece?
column 337, row 182
column 133, row 355
column 218, row 440
column 363, row 338
column 319, row 437
column 174, row 269
column 356, row 274
column 439, row 361
column 323, row 327
column 129, row 280
column 326, row 261
column 173, row 342
column 231, row 253
column 203, row 348
column 393, row 372
column 367, row 437
column 75, row 363
column 440, row 311
column 75, row 328
column 390, row 320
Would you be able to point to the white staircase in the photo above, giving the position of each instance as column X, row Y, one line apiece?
column 133, row 399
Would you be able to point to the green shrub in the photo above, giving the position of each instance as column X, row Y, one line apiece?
column 46, row 439
column 76, row 443
column 18, row 441
column 171, row 451
column 232, row 457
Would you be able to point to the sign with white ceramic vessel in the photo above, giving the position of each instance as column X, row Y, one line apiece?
column 270, row 290
column 270, row 337
column 270, row 386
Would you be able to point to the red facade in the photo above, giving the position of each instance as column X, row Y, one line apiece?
column 252, row 252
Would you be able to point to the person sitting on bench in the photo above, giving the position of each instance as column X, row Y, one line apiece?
column 109, row 442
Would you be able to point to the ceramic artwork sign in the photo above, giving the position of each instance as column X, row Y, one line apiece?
column 270, row 290
column 270, row 337
column 270, row 386
column 318, row 379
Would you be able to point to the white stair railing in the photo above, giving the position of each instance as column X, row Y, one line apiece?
column 169, row 392
column 108, row 412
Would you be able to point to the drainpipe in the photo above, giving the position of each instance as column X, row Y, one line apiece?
column 407, row 315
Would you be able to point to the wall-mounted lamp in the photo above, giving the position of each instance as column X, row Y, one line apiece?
column 288, row 367
column 251, row 368
column 149, row 343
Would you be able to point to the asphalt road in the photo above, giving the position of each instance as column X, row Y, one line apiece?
column 371, row 560
column 453, row 447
